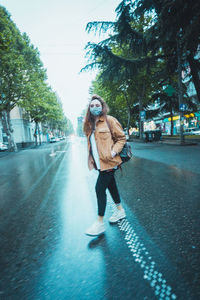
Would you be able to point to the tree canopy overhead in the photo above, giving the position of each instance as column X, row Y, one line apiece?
column 140, row 52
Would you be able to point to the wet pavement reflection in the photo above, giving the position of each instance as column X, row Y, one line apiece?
column 47, row 202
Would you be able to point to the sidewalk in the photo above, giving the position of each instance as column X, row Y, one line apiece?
column 183, row 158
column 43, row 145
column 170, row 141
column 189, row 140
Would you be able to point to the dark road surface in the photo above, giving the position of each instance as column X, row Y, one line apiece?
column 47, row 201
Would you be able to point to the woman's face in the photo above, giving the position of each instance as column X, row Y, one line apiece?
column 95, row 107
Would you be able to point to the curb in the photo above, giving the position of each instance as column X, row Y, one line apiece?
column 177, row 143
column 34, row 147
column 166, row 142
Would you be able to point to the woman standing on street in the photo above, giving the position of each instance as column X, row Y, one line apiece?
column 106, row 139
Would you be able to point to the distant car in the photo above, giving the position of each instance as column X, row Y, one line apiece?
column 3, row 147
column 192, row 131
column 52, row 140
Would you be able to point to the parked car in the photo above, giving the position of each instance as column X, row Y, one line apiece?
column 52, row 139
column 192, row 131
column 57, row 139
column 3, row 147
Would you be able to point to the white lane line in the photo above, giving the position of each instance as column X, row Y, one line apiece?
column 52, row 154
column 142, row 256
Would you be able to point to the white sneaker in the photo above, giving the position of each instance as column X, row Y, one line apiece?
column 96, row 229
column 117, row 215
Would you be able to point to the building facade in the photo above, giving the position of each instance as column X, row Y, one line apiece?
column 23, row 129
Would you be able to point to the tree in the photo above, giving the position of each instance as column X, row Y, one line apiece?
column 23, row 82
column 122, row 98
column 124, row 57
column 175, row 31
column 19, row 61
column 41, row 105
column 113, row 96
column 176, row 22
column 146, row 51
column 11, row 72
column 66, row 126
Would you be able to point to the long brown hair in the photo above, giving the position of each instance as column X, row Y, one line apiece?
column 88, row 124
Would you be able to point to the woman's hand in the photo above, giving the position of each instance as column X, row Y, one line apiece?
column 113, row 153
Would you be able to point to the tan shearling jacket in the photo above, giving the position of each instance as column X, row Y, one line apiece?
column 106, row 142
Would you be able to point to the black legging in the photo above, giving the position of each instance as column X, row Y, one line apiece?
column 106, row 180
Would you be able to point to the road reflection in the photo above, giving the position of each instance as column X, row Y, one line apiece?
column 72, row 269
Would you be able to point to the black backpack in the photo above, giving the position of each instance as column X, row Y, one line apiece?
column 126, row 152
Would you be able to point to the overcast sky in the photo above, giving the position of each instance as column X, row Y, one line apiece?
column 57, row 29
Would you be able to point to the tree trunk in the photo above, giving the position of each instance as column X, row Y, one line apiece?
column 180, row 90
column 172, row 126
column 40, row 142
column 35, row 133
column 129, row 114
column 5, row 119
column 172, row 123
column 128, row 122
column 141, row 122
column 195, row 74
column 141, row 128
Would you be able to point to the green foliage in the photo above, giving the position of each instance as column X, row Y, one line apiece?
column 125, row 64
column 23, row 78
column 20, row 64
column 175, row 22
column 139, row 58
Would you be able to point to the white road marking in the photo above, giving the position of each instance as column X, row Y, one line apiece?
column 52, row 154
column 142, row 256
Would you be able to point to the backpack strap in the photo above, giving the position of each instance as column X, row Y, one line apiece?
column 119, row 166
column 109, row 126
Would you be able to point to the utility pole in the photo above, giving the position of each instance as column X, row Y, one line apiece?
column 180, row 89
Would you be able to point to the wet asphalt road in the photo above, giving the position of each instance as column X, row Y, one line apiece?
column 47, row 200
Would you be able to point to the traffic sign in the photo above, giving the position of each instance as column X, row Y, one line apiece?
column 183, row 107
column 142, row 114
column 169, row 90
